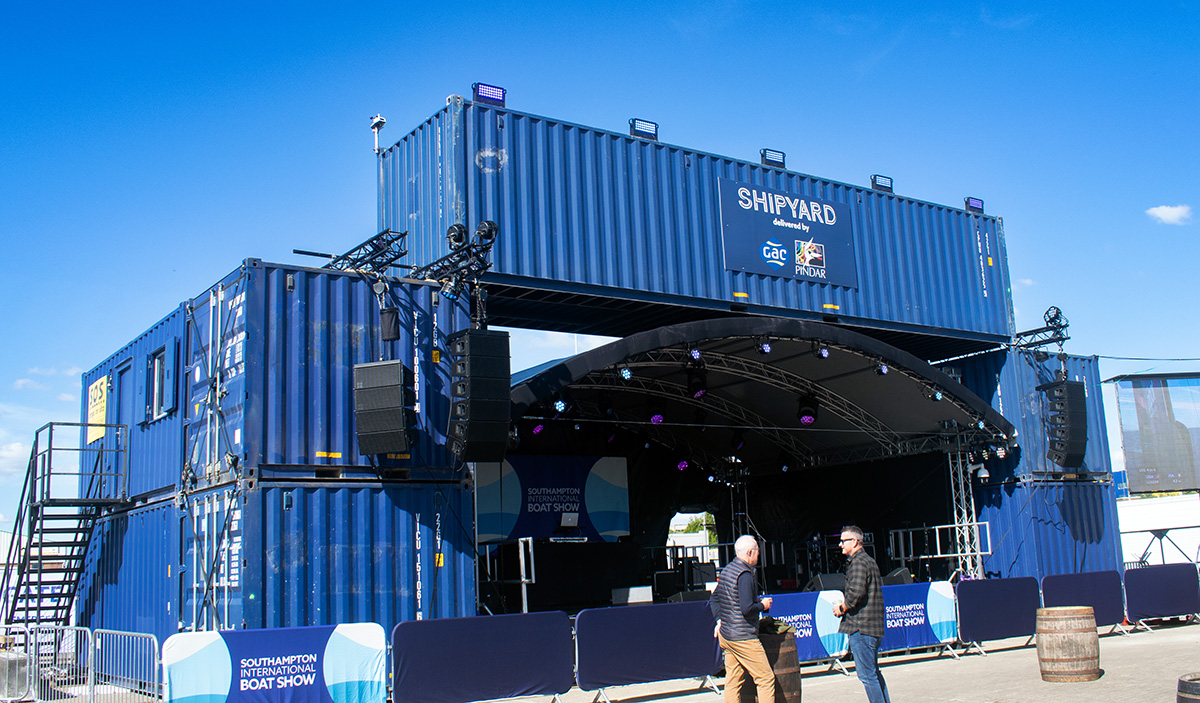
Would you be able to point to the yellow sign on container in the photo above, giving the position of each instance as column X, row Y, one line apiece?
column 97, row 409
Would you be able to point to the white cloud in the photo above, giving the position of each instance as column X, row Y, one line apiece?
column 28, row 384
column 14, row 459
column 1027, row 282
column 1171, row 214
column 69, row 371
column 67, row 397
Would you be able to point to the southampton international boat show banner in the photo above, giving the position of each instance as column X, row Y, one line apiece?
column 330, row 664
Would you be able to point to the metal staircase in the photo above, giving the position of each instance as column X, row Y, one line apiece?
column 70, row 483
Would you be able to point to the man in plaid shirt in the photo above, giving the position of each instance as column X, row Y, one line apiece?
column 862, row 613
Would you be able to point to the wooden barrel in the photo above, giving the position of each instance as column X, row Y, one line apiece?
column 1067, row 644
column 1189, row 688
column 785, row 663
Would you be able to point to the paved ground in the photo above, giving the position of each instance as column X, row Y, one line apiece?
column 1144, row 667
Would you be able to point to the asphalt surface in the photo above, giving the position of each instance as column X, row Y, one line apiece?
column 1142, row 667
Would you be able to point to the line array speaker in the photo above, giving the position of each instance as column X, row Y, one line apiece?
column 1066, row 423
column 480, row 404
column 384, row 414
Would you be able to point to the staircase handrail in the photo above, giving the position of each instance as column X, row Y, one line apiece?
column 17, row 557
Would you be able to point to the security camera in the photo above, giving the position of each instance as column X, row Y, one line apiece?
column 377, row 122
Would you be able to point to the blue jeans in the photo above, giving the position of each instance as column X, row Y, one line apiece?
column 865, row 649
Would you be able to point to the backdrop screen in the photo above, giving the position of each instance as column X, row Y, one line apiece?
column 1160, row 427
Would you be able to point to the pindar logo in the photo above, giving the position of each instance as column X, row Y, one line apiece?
column 810, row 254
column 774, row 253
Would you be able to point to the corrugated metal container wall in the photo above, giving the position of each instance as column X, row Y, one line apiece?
column 129, row 581
column 289, row 339
column 357, row 553
column 1009, row 379
column 155, row 447
column 642, row 219
column 1042, row 528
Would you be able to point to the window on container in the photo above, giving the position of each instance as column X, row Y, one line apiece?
column 160, row 383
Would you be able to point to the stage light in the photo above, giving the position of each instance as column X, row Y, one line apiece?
column 807, row 411
column 772, row 157
column 934, row 394
column 560, row 405
column 694, row 353
column 643, row 128
column 656, row 419
column 1001, row 452
column 763, row 347
column 820, row 351
column 612, row 438
column 537, row 429
column 625, row 373
column 489, row 94
column 449, row 290
column 682, row 465
column 881, row 183
column 486, row 232
column 697, row 383
column 577, row 427
column 712, row 478
column 979, row 425
column 456, row 237
column 882, row 369
column 974, row 204
column 785, row 468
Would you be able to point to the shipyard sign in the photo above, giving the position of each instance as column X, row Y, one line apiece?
column 786, row 235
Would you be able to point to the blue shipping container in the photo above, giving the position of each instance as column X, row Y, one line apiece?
column 593, row 213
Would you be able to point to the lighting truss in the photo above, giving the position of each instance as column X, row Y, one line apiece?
column 375, row 255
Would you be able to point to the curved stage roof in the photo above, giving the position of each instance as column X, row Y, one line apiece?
column 747, row 416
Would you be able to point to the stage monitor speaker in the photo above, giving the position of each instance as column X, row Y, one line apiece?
column 383, row 407
column 898, row 577
column 685, row 596
column 1066, row 423
column 480, row 404
column 826, row 582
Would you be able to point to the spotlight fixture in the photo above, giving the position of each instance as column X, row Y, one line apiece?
column 456, row 237
column 560, row 405
column 807, row 411
column 711, row 478
column 974, row 204
column 772, row 157
column 489, row 94
column 538, row 428
column 1001, row 452
column 644, row 129
column 820, row 351
column 881, row 183
column 882, row 369
column 577, row 427
column 449, row 290
column 763, row 347
column 784, row 468
column 979, row 425
column 934, row 394
column 694, row 353
column 682, row 465
column 486, row 231
column 625, row 373
column 656, row 419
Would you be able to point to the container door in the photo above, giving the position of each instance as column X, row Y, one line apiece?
column 210, row 578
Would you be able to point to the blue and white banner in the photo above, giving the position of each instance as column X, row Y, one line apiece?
column 811, row 613
column 329, row 664
column 783, row 234
column 918, row 615
column 527, row 496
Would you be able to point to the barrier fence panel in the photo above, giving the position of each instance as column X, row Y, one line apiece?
column 1162, row 591
column 643, row 643
column 811, row 613
column 918, row 615
column 126, row 667
column 1099, row 589
column 62, row 663
column 15, row 663
column 994, row 609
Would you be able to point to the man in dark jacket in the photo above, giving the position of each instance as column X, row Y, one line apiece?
column 862, row 613
column 735, row 605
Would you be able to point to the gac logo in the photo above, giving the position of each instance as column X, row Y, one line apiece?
column 775, row 253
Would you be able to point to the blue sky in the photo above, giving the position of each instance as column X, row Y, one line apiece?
column 146, row 149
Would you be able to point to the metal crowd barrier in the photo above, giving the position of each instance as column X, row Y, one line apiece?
column 56, row 664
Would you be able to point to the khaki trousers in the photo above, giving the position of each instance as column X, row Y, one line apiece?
column 747, row 656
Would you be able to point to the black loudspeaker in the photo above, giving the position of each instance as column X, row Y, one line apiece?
column 826, row 582
column 898, row 577
column 1066, row 422
column 383, row 407
column 480, row 404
